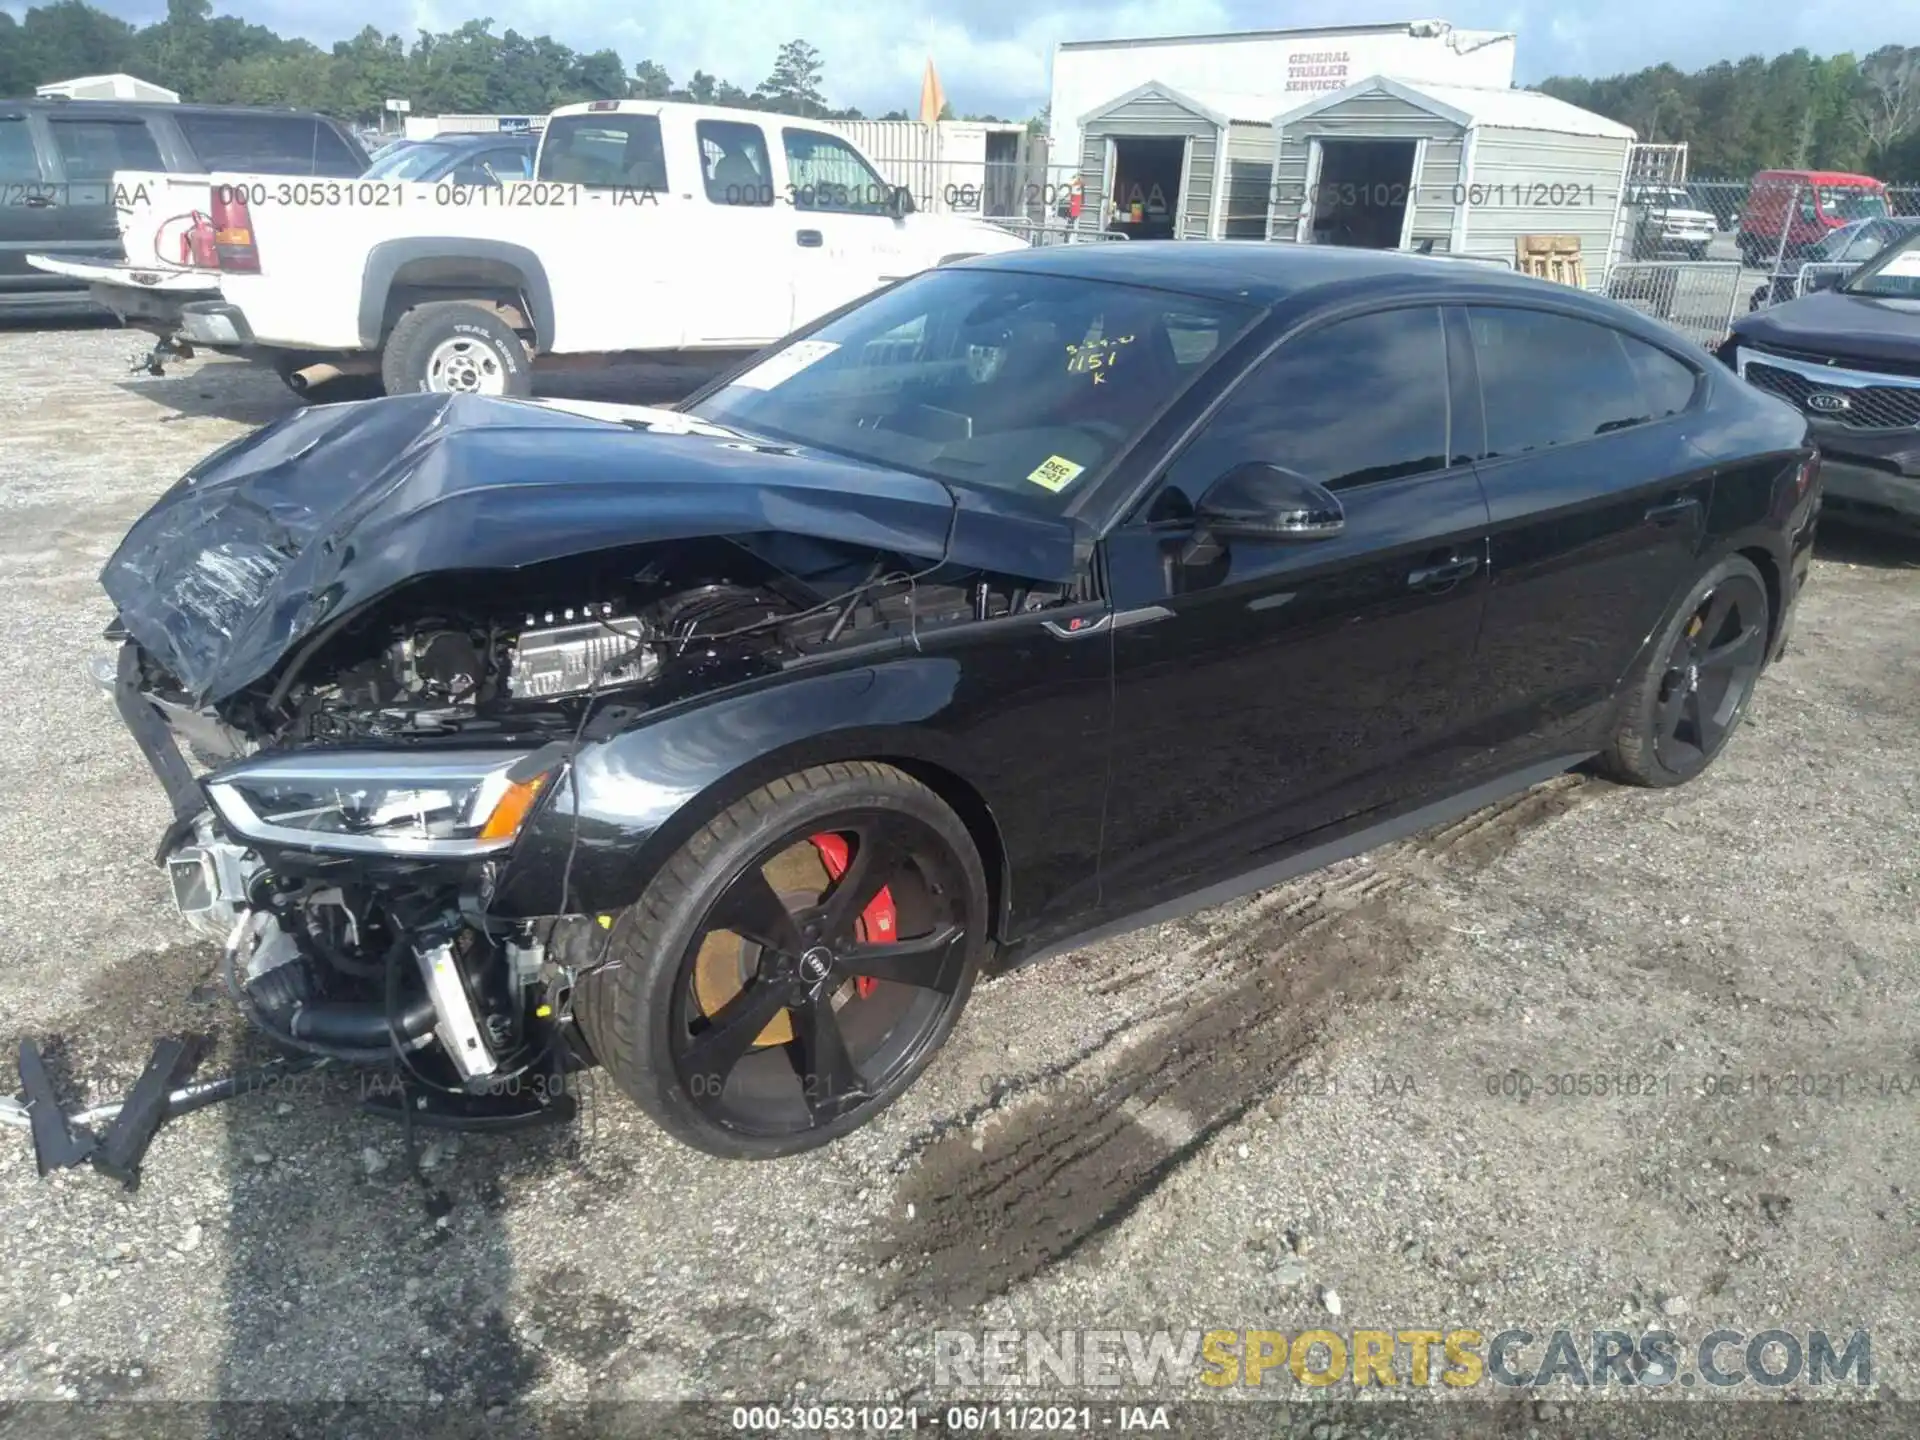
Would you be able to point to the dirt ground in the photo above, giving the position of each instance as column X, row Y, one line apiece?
column 1364, row 1082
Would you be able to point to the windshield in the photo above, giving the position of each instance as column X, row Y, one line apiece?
column 1852, row 204
column 409, row 162
column 1893, row 274
column 1024, row 384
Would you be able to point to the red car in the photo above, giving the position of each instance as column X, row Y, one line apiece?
column 1788, row 212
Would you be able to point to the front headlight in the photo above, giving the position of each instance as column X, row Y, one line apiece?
column 422, row 803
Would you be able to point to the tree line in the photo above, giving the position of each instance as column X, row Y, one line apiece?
column 1798, row 111
column 470, row 70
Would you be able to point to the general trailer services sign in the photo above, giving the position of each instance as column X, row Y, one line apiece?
column 1318, row 70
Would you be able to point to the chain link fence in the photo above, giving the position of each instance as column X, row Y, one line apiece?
column 1789, row 234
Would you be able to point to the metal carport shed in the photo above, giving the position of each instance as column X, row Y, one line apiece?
column 1196, row 166
column 1465, row 170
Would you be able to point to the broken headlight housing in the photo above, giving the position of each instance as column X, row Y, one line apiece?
column 424, row 804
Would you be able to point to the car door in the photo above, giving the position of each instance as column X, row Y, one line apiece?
column 615, row 240
column 744, row 253
column 1263, row 689
column 1598, row 512
column 30, row 213
column 849, row 239
column 87, row 150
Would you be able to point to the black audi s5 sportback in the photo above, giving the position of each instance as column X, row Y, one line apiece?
column 1033, row 596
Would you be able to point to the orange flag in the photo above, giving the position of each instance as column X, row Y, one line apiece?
column 932, row 99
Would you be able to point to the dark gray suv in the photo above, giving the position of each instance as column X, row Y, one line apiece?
column 57, row 159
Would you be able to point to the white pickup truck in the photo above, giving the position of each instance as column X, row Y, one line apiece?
column 648, row 226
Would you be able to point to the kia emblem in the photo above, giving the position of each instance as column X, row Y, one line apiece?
column 1828, row 403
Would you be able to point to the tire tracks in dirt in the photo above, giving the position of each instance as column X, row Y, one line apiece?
column 1044, row 1169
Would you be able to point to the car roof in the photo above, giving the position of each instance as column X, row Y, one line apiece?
column 159, row 107
column 1261, row 272
column 1819, row 177
column 474, row 138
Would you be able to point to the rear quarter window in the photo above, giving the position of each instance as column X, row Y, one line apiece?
column 268, row 145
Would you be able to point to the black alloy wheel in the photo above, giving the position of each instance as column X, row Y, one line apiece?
column 1693, row 687
column 1709, row 673
column 796, row 965
column 801, row 1041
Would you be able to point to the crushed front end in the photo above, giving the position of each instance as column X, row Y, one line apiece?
column 369, row 651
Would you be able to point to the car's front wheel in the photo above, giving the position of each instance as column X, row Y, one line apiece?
column 1692, row 688
column 790, row 971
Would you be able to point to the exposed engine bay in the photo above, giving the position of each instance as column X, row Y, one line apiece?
column 467, row 661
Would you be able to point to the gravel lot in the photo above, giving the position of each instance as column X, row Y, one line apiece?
column 1206, row 1124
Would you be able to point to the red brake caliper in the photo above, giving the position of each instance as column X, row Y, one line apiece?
column 877, row 923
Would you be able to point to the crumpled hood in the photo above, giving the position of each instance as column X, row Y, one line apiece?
column 314, row 516
column 1846, row 327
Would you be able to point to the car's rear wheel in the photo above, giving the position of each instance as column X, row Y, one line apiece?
column 790, row 971
column 450, row 347
column 1692, row 689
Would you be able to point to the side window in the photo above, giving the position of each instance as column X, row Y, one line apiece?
column 1355, row 402
column 613, row 151
column 491, row 167
column 263, row 144
column 1869, row 242
column 17, row 160
column 1550, row 380
column 94, row 149
column 826, row 173
column 1666, row 385
column 332, row 156
column 733, row 162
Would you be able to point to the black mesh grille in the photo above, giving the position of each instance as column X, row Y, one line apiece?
column 1869, row 407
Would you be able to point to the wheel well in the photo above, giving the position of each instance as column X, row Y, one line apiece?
column 491, row 284
column 967, row 803
column 1770, row 577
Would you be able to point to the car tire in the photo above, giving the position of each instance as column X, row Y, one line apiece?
column 454, row 347
column 1691, row 689
column 648, row 1017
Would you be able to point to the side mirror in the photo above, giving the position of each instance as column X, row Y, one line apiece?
column 900, row 202
column 1264, row 502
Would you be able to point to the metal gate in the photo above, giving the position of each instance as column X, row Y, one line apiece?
column 1695, row 297
column 1648, row 168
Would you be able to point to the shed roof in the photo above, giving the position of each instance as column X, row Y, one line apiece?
column 1469, row 105
column 1222, row 107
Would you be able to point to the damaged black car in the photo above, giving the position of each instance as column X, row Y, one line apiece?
column 724, row 746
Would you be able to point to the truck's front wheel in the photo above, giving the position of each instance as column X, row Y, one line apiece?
column 453, row 348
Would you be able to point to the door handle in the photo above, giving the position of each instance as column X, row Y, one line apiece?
column 1671, row 511
column 808, row 238
column 1450, row 572
column 38, row 202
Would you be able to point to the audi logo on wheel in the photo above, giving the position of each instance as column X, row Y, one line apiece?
column 1825, row 402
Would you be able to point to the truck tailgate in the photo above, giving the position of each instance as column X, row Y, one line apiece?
column 156, row 210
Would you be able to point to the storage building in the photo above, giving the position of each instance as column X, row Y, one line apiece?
column 1458, row 169
column 1289, row 65
column 1159, row 163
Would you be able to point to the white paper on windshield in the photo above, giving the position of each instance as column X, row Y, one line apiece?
column 778, row 369
column 1906, row 264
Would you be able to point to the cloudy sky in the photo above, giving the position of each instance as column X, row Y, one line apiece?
column 993, row 54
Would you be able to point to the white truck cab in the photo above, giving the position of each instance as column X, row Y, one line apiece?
column 649, row 226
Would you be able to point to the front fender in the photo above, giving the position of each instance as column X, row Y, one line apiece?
column 630, row 801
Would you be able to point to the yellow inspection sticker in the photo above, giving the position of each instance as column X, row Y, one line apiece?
column 1055, row 473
